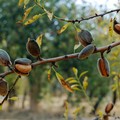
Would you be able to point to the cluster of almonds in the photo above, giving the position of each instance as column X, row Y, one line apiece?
column 22, row 66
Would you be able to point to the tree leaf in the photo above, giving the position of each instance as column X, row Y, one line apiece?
column 66, row 110
column 0, row 107
column 76, row 111
column 39, row 40
column 26, row 2
column 73, row 81
column 33, row 19
column 20, row 2
column 114, row 87
column 111, row 27
column 100, row 114
column 76, row 46
column 13, row 98
column 69, row 79
column 63, row 83
column 75, row 71
column 50, row 15
column 83, row 73
column 63, row 28
column 26, row 13
column 85, row 82
column 75, row 88
column 49, row 74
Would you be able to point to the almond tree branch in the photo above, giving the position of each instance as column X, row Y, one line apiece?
column 5, row 98
column 65, row 57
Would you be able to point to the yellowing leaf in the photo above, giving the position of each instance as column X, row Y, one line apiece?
column 50, row 15
column 111, row 27
column 63, row 28
column 66, row 110
column 26, row 13
column 63, row 83
column 69, row 79
column 13, row 98
column 39, row 40
column 26, row 2
column 76, row 46
column 85, row 82
column 75, row 88
column 20, row 2
column 100, row 114
column 114, row 87
column 75, row 71
column 77, row 110
column 73, row 81
column 33, row 19
column 77, row 29
column 0, row 107
column 83, row 73
column 49, row 74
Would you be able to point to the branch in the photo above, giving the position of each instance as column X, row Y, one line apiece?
column 94, row 16
column 5, row 98
column 65, row 57
column 75, row 55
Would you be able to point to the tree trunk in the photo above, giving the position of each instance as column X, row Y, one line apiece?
column 34, row 91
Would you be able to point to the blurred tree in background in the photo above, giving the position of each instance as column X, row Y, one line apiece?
column 13, row 38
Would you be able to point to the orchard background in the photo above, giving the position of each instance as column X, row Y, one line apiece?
column 55, row 25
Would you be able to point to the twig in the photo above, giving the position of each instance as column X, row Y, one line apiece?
column 82, row 19
column 5, row 98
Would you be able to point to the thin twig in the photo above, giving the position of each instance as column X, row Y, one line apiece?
column 5, row 98
column 82, row 19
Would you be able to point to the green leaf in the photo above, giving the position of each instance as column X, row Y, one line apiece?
column 39, row 40
column 75, row 88
column 114, row 87
column 13, row 98
column 33, row 19
column 83, row 73
column 77, row 110
column 63, row 28
column 75, row 71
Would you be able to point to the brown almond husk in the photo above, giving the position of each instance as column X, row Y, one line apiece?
column 3, row 87
column 109, row 107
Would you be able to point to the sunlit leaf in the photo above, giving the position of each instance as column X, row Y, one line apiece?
column 75, row 85
column 26, row 2
column 20, row 2
column 75, row 71
column 49, row 74
column 76, row 46
column 33, row 19
column 83, row 73
column 77, row 110
column 39, row 40
column 0, row 107
column 114, row 87
column 66, row 110
column 111, row 27
column 73, row 81
column 63, row 82
column 26, row 13
column 49, row 14
column 63, row 28
column 75, row 88
column 85, row 82
column 100, row 114
column 69, row 79
column 13, row 98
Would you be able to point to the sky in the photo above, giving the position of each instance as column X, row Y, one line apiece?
column 109, row 5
